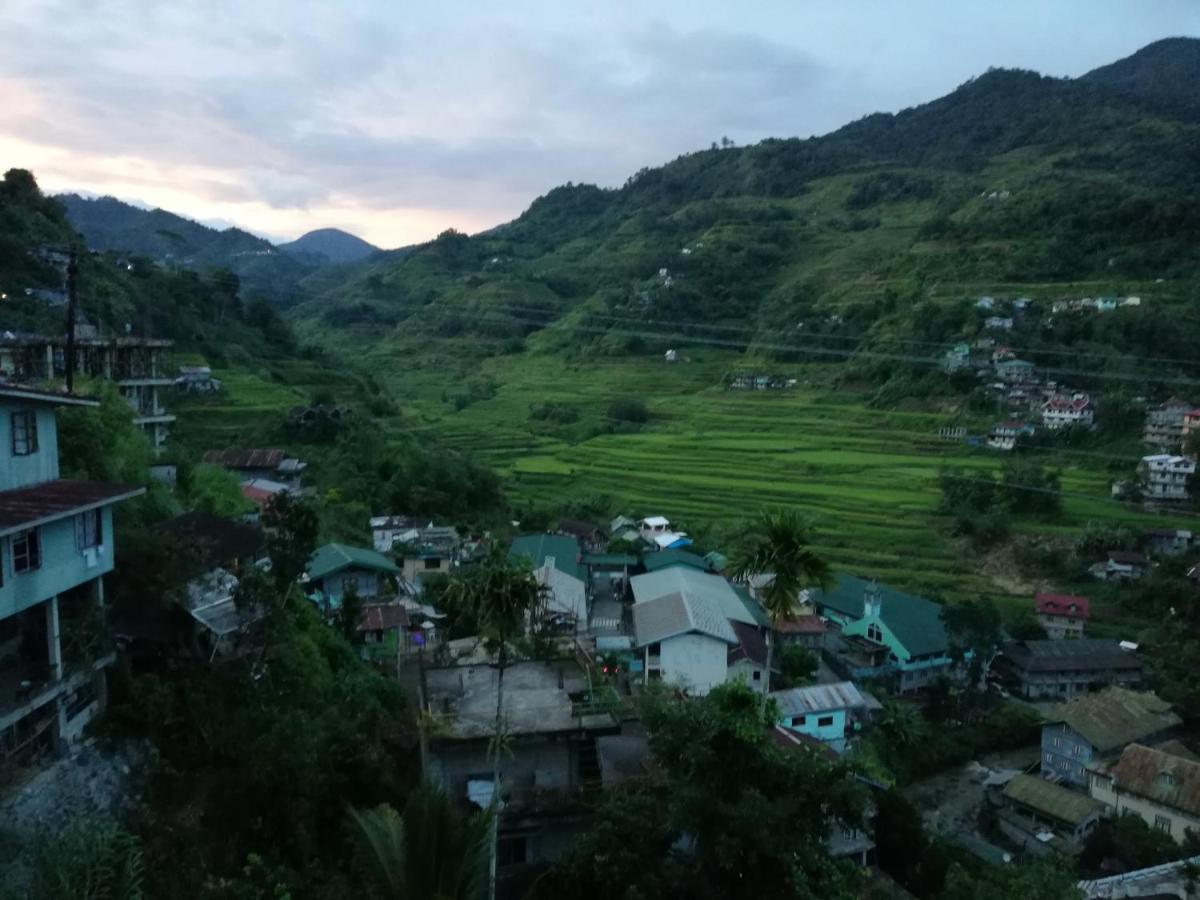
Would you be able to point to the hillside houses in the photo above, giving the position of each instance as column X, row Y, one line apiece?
column 1065, row 669
column 1063, row 411
column 1062, row 615
column 1166, row 478
column 1165, row 424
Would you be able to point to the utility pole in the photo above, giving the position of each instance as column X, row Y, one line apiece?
column 72, row 312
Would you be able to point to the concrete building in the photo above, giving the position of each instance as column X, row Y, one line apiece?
column 1165, row 424
column 549, row 759
column 684, row 639
column 1166, row 478
column 1061, row 411
column 1042, row 817
column 1065, row 669
column 826, row 712
column 1161, row 787
column 1062, row 615
column 335, row 568
column 557, row 563
column 1081, row 735
column 56, row 545
column 137, row 365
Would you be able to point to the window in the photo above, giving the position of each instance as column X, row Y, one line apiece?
column 24, row 433
column 874, row 633
column 432, row 562
column 757, row 676
column 655, row 649
column 824, row 721
column 26, row 551
column 798, row 721
column 1163, row 823
column 89, row 529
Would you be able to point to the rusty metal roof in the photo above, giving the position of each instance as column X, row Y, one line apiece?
column 39, row 395
column 383, row 617
column 29, row 506
column 819, row 698
column 1114, row 717
column 1159, row 777
column 245, row 459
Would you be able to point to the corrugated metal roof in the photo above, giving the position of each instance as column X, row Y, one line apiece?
column 245, row 459
column 751, row 645
column 680, row 613
column 334, row 558
column 383, row 617
column 1160, row 777
column 1063, row 605
column 915, row 621
column 819, row 698
column 664, row 559
column 1051, row 800
column 1081, row 654
column 539, row 547
column 1115, row 717
column 36, row 395
column 26, row 507
column 685, row 580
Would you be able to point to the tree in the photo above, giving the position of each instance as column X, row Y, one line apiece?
column 350, row 613
column 217, row 491
column 291, row 526
column 778, row 545
column 975, row 628
column 1030, row 489
column 1039, row 878
column 90, row 860
column 436, row 850
column 797, row 666
column 501, row 593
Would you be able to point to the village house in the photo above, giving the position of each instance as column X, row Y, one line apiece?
column 827, row 712
column 591, row 537
column 1016, row 371
column 1166, row 478
column 1168, row 541
column 1165, row 424
column 1004, row 435
column 1159, row 784
column 1120, row 565
column 550, row 753
column 803, row 630
column 56, row 546
column 197, row 380
column 747, row 662
column 998, row 323
column 336, row 568
column 1042, row 817
column 684, row 640
column 1064, row 669
column 269, row 466
column 1080, row 735
column 1191, row 423
column 558, row 567
column 423, row 547
column 985, row 303
column 1062, row 615
column 665, row 559
column 1061, row 411
column 957, row 357
column 884, row 633
column 652, row 526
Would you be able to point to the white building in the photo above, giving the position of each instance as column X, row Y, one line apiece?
column 654, row 525
column 1166, row 477
column 1061, row 411
column 685, row 640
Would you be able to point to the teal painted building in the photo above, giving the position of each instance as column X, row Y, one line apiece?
column 827, row 712
column 56, row 545
column 885, row 633
column 335, row 568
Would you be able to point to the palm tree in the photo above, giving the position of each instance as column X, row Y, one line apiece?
column 436, row 850
column 777, row 544
column 502, row 594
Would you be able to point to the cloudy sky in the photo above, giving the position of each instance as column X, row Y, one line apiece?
column 395, row 120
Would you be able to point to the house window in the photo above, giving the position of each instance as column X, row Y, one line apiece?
column 797, row 721
column 757, row 676
column 89, row 527
column 24, row 433
column 874, row 633
column 26, row 551
column 1163, row 823
column 824, row 721
column 432, row 562
column 655, row 649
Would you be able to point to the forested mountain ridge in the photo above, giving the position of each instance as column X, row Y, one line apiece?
column 329, row 245
column 1014, row 178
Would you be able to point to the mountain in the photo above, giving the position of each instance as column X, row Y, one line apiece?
column 110, row 224
column 1013, row 179
column 329, row 245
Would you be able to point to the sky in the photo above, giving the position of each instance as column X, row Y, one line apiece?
column 398, row 120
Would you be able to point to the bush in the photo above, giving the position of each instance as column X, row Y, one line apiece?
column 630, row 410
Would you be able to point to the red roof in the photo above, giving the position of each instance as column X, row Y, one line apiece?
column 1063, row 605
column 790, row 739
column 29, row 506
column 257, row 494
column 383, row 617
column 801, row 625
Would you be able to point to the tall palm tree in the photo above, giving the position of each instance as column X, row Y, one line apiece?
column 435, row 850
column 501, row 593
column 777, row 544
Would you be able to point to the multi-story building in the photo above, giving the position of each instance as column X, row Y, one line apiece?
column 1165, row 424
column 56, row 545
column 1062, row 615
column 1166, row 478
column 1062, row 670
column 1061, row 411
column 136, row 364
column 1160, row 786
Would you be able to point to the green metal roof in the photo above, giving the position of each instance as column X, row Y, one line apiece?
column 752, row 606
column 333, row 558
column 717, row 561
column 564, row 549
column 915, row 621
column 1114, row 717
column 1051, row 800
column 609, row 559
column 666, row 558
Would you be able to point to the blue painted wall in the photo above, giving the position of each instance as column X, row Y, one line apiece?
column 63, row 566
column 833, row 732
column 19, row 471
column 1065, row 754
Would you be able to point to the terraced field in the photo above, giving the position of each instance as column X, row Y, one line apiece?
column 709, row 456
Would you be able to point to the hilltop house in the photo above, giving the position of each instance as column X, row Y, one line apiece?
column 1120, row 565
column 1080, row 735
column 1062, row 670
column 998, row 323
column 1161, row 787
column 1165, row 424
column 335, row 568
column 428, row 549
column 1016, row 371
column 652, row 526
column 1168, row 541
column 56, row 546
column 884, row 633
column 558, row 567
column 1062, row 615
column 1061, row 411
column 270, row 465
column 824, row 711
column 1166, row 478
column 1004, row 435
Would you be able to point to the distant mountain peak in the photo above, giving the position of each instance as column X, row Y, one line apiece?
column 331, row 245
